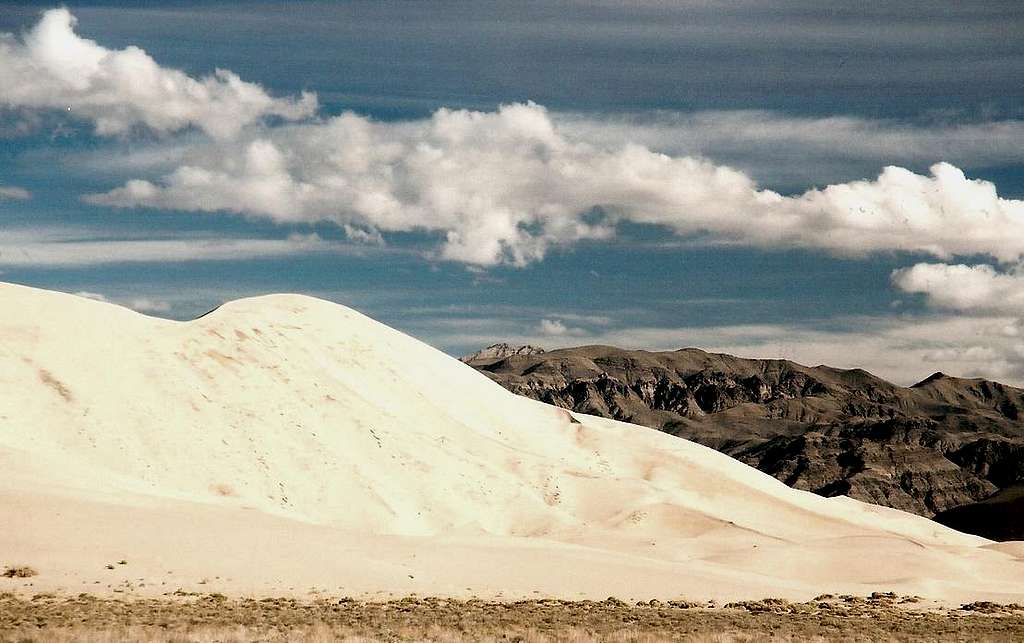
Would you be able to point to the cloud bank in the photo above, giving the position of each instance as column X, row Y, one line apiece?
column 51, row 67
column 506, row 186
column 773, row 148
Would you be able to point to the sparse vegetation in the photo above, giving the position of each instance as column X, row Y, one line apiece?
column 184, row 617
column 779, row 605
column 19, row 571
column 988, row 607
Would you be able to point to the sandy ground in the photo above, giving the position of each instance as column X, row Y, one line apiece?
column 284, row 445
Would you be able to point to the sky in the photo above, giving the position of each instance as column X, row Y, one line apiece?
column 805, row 180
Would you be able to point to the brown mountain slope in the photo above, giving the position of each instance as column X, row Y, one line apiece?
column 939, row 444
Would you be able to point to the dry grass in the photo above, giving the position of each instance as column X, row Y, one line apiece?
column 213, row 617
column 325, row 634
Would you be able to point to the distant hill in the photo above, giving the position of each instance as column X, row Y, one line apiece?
column 939, row 444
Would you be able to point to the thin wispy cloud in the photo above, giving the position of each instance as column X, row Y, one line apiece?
column 14, row 192
column 806, row 150
column 51, row 249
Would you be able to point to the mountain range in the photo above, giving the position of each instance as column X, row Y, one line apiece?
column 941, row 444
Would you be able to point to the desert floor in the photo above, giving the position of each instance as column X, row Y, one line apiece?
column 214, row 617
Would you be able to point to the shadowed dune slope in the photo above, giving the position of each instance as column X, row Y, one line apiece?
column 1000, row 517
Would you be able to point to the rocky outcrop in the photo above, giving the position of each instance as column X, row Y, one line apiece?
column 900, row 463
column 942, row 443
column 496, row 352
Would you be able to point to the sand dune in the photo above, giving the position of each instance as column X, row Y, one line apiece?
column 282, row 443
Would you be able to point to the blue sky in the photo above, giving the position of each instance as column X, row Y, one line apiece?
column 646, row 174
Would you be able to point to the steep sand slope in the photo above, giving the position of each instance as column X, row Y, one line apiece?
column 284, row 442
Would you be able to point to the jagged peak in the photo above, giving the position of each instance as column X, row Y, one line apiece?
column 502, row 350
column 934, row 377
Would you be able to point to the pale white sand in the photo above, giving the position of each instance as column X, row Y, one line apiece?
column 284, row 443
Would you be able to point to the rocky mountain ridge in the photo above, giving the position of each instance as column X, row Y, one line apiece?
column 499, row 351
column 928, row 448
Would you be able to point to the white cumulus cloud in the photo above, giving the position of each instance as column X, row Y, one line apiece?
column 505, row 186
column 51, row 67
column 558, row 328
column 962, row 287
column 147, row 305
